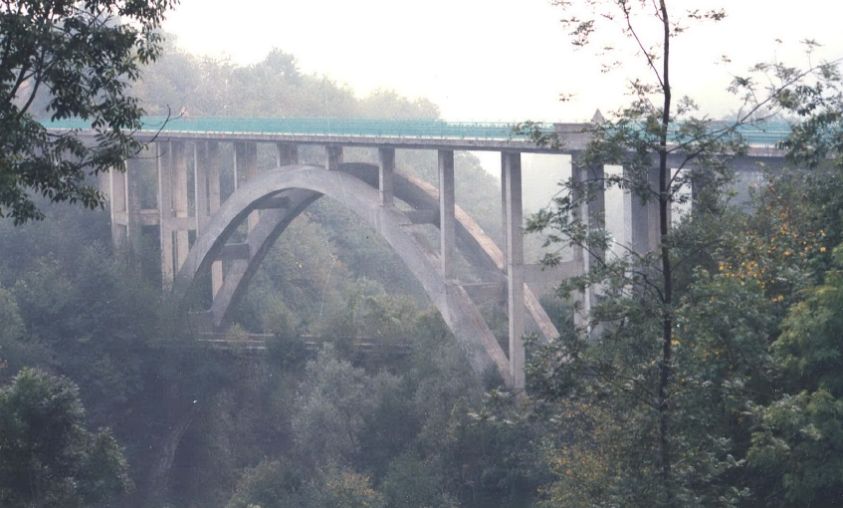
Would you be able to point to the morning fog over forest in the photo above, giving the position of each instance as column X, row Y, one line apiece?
column 380, row 254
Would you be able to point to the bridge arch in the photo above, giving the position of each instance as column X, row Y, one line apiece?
column 283, row 194
column 480, row 250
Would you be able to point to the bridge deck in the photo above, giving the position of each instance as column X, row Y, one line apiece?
column 421, row 134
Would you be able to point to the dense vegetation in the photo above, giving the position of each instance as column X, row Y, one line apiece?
column 295, row 427
column 89, row 363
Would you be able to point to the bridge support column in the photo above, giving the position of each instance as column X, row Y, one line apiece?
column 246, row 168
column 447, row 205
column 334, row 156
column 118, row 196
column 644, row 214
column 288, row 153
column 618, row 214
column 514, row 266
column 164, row 157
column 201, row 212
column 133, row 208
column 504, row 212
column 214, row 167
column 180, row 207
column 590, row 181
column 386, row 176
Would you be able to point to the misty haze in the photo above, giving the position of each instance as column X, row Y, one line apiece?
column 378, row 254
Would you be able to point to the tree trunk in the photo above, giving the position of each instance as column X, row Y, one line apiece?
column 667, row 275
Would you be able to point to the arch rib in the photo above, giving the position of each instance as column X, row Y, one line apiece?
column 472, row 241
column 309, row 182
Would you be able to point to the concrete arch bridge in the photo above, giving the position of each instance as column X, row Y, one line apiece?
column 197, row 228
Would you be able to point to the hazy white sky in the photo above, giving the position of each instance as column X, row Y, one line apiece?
column 493, row 59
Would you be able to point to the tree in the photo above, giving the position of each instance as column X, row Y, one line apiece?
column 800, row 436
column 270, row 484
column 69, row 59
column 331, row 409
column 653, row 426
column 639, row 291
column 796, row 443
column 48, row 458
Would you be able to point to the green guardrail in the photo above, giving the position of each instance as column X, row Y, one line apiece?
column 760, row 134
column 324, row 126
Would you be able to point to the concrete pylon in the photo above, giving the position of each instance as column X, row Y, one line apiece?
column 214, row 167
column 246, row 168
column 180, row 200
column 590, row 181
column 514, row 267
column 333, row 153
column 163, row 158
column 446, row 213
column 386, row 172
column 119, row 201
column 288, row 153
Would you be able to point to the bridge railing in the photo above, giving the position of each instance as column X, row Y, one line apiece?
column 767, row 134
column 326, row 127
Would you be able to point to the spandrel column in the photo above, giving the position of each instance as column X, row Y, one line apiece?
column 334, row 156
column 386, row 172
column 513, row 229
column 446, row 213
column 214, row 200
column 246, row 168
column 163, row 157
column 287, row 154
column 118, row 193
column 180, row 200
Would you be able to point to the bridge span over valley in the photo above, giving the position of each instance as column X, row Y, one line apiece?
column 214, row 214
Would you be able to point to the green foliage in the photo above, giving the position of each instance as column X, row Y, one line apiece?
column 48, row 457
column 271, row 484
column 77, row 60
column 16, row 348
column 412, row 482
column 344, row 488
column 656, row 391
column 331, row 409
column 800, row 436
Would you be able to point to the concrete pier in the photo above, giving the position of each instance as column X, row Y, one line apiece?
column 333, row 155
column 514, row 267
column 164, row 156
column 287, row 154
column 446, row 213
column 386, row 172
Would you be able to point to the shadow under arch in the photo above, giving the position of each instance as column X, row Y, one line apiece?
column 282, row 194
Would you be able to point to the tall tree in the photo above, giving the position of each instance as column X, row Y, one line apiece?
column 64, row 59
column 654, row 424
column 641, row 139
